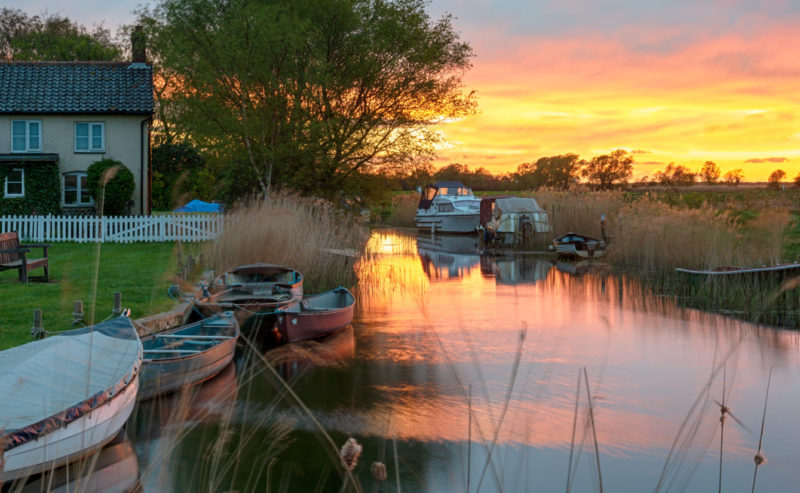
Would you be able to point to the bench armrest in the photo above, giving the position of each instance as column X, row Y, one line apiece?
column 36, row 245
column 16, row 250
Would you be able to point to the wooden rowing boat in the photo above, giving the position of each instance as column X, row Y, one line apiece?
column 316, row 316
column 728, row 271
column 66, row 396
column 577, row 245
column 187, row 355
column 249, row 290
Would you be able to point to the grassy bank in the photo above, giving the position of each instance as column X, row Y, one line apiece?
column 91, row 273
column 306, row 234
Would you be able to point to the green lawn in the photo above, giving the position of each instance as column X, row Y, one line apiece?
column 142, row 272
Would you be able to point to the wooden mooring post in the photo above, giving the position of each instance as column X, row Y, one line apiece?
column 117, row 311
column 37, row 331
column 77, row 313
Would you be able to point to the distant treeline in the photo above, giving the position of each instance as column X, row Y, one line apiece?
column 565, row 171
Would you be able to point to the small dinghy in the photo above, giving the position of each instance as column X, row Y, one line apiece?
column 250, row 290
column 66, row 396
column 733, row 270
column 188, row 354
column 576, row 245
column 316, row 316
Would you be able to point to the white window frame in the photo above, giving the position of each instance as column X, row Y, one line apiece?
column 78, row 189
column 28, row 147
column 22, row 182
column 90, row 148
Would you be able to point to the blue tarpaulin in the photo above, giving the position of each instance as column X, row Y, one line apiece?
column 199, row 206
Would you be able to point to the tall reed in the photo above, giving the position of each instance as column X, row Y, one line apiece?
column 304, row 233
column 403, row 210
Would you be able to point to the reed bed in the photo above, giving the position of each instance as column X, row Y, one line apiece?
column 579, row 211
column 304, row 233
column 402, row 211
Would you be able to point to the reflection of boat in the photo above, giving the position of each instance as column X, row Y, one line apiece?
column 203, row 403
column 727, row 271
column 512, row 221
column 330, row 350
column 447, row 256
column 114, row 469
column 448, row 207
column 316, row 316
column 580, row 268
column 575, row 245
column 518, row 269
column 250, row 289
column 188, row 354
column 66, row 395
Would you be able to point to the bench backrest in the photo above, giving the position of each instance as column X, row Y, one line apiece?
column 9, row 241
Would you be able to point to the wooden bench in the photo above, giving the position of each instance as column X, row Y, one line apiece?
column 13, row 256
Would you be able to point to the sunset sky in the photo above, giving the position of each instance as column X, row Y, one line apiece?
column 678, row 81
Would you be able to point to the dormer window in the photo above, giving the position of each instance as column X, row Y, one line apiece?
column 26, row 136
column 90, row 137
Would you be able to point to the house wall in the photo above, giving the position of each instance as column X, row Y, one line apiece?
column 126, row 140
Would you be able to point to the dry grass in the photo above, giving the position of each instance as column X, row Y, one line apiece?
column 306, row 234
column 403, row 210
column 579, row 211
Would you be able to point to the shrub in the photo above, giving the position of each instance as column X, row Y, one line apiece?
column 119, row 186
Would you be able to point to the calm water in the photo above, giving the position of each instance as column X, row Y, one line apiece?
column 462, row 370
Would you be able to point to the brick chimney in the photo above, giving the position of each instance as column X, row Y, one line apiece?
column 138, row 46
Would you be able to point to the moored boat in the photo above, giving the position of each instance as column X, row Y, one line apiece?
column 576, row 245
column 188, row 354
column 316, row 316
column 66, row 396
column 250, row 290
column 733, row 270
column 448, row 207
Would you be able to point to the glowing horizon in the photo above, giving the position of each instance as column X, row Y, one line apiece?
column 685, row 85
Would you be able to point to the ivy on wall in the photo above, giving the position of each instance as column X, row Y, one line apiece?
column 42, row 189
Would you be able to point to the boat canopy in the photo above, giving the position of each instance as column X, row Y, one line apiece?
column 443, row 188
column 49, row 383
column 518, row 204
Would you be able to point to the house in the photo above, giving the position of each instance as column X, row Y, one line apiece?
column 57, row 118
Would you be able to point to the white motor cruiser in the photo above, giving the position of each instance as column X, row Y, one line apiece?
column 448, row 207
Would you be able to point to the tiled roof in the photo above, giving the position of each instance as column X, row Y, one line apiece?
column 76, row 87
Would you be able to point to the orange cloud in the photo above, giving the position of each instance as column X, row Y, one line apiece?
column 724, row 98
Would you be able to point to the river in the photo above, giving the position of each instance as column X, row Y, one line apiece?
column 464, row 372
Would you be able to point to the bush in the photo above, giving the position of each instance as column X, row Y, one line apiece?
column 119, row 186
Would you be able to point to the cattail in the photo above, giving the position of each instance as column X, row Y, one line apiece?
column 760, row 459
column 350, row 452
column 378, row 470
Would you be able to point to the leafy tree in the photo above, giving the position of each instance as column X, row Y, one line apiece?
column 710, row 173
column 559, row 172
column 675, row 176
column 734, row 177
column 797, row 181
column 52, row 38
column 775, row 179
column 111, row 186
column 179, row 173
column 314, row 95
column 609, row 170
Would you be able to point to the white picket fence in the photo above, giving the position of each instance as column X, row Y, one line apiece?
column 115, row 229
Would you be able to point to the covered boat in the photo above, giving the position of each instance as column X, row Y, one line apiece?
column 66, row 396
column 512, row 221
column 316, row 316
column 188, row 354
column 250, row 290
column 448, row 207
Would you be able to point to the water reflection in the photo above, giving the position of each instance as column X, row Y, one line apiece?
column 486, row 366
column 114, row 468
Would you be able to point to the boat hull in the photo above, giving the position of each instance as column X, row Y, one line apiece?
column 297, row 324
column 449, row 223
column 570, row 250
column 165, row 376
column 80, row 437
column 162, row 373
